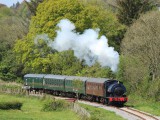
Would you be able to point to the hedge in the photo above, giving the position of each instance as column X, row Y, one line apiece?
column 10, row 105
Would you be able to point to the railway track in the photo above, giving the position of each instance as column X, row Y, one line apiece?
column 139, row 114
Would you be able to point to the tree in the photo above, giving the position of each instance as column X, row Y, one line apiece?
column 77, row 85
column 41, row 59
column 13, row 25
column 83, row 16
column 17, row 5
column 140, row 55
column 130, row 10
column 32, row 5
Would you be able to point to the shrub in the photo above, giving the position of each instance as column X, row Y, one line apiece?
column 54, row 105
column 10, row 105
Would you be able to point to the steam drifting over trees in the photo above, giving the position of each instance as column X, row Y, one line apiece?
column 87, row 46
column 41, row 59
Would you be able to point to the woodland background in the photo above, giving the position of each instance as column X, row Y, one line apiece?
column 131, row 26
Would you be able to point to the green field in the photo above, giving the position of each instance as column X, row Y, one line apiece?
column 145, row 105
column 32, row 110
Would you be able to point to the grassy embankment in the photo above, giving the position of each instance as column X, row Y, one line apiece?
column 32, row 110
column 145, row 105
column 101, row 114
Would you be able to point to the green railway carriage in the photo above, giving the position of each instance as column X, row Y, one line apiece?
column 75, row 84
column 34, row 80
column 54, row 82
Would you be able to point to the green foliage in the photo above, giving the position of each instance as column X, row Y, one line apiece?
column 55, row 105
column 39, row 58
column 77, row 84
column 130, row 10
column 13, row 26
column 84, row 17
column 50, row 12
column 11, row 29
column 9, row 69
column 23, row 12
column 96, row 71
column 10, row 105
column 66, row 63
column 32, row 5
column 140, row 68
column 4, row 11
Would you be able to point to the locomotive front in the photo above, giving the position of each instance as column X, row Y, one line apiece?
column 116, row 92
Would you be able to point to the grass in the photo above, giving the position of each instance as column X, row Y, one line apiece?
column 142, row 104
column 10, row 84
column 100, row 114
column 32, row 110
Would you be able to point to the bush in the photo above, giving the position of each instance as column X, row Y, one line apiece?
column 10, row 105
column 54, row 105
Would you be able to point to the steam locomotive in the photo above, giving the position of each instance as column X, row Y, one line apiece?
column 102, row 90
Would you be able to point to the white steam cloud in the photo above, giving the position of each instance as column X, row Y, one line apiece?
column 87, row 46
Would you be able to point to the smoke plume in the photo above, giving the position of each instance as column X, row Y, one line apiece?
column 87, row 46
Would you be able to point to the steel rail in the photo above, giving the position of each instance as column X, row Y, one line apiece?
column 132, row 111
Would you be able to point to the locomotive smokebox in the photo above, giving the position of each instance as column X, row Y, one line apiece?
column 117, row 89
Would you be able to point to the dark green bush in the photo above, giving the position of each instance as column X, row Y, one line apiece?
column 53, row 105
column 10, row 105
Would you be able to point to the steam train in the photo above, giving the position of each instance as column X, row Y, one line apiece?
column 102, row 90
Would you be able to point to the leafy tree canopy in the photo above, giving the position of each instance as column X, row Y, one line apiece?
column 49, row 13
column 41, row 59
column 130, row 10
column 32, row 5
column 13, row 26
